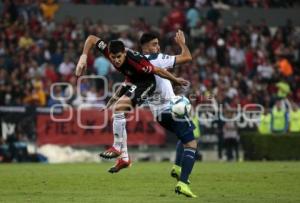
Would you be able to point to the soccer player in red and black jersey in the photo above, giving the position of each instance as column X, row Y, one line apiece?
column 139, row 84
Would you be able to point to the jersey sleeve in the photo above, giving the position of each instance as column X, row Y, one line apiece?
column 140, row 63
column 166, row 61
column 146, row 67
column 103, row 48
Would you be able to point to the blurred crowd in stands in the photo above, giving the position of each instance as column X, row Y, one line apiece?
column 199, row 3
column 247, row 63
column 243, row 64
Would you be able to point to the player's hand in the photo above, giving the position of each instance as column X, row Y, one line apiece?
column 81, row 65
column 179, row 37
column 182, row 82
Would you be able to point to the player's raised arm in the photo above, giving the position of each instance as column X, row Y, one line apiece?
column 90, row 42
column 185, row 54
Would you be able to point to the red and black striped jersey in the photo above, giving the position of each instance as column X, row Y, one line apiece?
column 136, row 66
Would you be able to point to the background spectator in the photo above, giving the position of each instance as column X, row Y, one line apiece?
column 49, row 8
column 231, row 138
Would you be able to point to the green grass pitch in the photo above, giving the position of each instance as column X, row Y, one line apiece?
column 257, row 182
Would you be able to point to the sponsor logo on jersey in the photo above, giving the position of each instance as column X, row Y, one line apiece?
column 135, row 53
column 102, row 45
column 147, row 69
column 164, row 56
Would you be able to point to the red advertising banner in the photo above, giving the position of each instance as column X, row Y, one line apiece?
column 92, row 127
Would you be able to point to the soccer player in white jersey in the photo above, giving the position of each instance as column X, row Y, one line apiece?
column 160, row 107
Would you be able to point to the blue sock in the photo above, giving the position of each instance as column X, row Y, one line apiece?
column 179, row 151
column 187, row 164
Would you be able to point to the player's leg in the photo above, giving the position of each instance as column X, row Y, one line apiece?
column 179, row 151
column 187, row 164
column 183, row 129
column 178, row 127
column 124, row 149
column 123, row 161
column 176, row 169
column 119, row 122
column 137, row 94
column 119, row 127
column 119, row 130
column 188, row 160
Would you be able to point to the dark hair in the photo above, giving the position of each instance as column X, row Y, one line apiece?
column 116, row 46
column 147, row 37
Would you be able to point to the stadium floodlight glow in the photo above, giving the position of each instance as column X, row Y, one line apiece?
column 105, row 88
column 88, row 106
column 52, row 94
column 53, row 110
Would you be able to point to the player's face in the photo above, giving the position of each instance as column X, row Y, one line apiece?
column 117, row 59
column 153, row 46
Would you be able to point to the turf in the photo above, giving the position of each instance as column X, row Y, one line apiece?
column 150, row 182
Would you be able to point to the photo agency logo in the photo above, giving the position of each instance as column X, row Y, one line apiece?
column 248, row 114
column 205, row 113
column 64, row 93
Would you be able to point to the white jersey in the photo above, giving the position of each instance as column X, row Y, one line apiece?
column 164, row 92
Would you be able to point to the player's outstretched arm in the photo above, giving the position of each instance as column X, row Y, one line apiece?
column 185, row 55
column 167, row 75
column 89, row 43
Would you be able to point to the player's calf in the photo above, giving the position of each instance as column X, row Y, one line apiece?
column 175, row 173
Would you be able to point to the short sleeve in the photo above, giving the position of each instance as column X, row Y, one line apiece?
column 140, row 63
column 162, row 60
column 166, row 61
column 145, row 67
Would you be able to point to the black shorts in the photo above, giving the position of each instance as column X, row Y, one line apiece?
column 139, row 92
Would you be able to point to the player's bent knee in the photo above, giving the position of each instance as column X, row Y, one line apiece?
column 124, row 104
column 119, row 108
column 191, row 144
